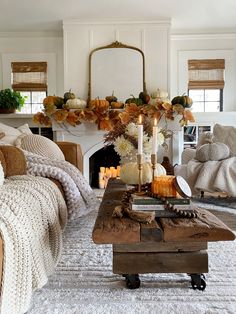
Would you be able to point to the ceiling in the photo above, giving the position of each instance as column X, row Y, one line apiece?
column 186, row 15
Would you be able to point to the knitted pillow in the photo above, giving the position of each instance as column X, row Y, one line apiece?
column 227, row 135
column 40, row 145
column 212, row 151
column 2, row 134
column 11, row 133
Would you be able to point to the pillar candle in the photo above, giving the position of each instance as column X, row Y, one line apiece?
column 154, row 137
column 140, row 135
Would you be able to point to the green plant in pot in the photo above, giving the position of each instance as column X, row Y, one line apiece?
column 10, row 101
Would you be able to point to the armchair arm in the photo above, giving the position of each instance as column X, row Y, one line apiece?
column 72, row 153
column 187, row 155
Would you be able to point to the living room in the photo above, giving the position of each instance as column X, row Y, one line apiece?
column 169, row 33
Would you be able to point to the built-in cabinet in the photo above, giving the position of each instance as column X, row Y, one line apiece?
column 191, row 134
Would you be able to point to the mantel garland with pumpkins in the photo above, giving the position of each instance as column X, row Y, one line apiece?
column 106, row 113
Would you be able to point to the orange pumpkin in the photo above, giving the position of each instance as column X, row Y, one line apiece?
column 99, row 104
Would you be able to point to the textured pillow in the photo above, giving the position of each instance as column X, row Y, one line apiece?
column 226, row 135
column 212, row 151
column 1, row 175
column 40, row 145
column 14, row 159
column 11, row 133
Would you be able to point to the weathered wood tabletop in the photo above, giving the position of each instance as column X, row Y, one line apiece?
column 107, row 229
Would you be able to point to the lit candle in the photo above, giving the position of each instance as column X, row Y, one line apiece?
column 154, row 137
column 140, row 135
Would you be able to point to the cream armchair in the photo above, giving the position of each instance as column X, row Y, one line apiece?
column 215, row 174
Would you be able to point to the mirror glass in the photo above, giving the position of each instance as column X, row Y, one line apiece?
column 117, row 68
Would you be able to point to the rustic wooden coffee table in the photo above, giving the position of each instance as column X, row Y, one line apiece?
column 177, row 245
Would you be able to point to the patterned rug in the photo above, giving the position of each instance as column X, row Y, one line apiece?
column 83, row 282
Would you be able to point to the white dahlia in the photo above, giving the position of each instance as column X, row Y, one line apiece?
column 122, row 146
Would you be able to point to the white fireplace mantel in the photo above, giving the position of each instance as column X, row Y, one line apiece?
column 91, row 140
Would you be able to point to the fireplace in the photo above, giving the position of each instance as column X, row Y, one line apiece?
column 91, row 141
column 104, row 157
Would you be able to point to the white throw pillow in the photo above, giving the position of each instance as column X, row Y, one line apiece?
column 11, row 133
column 40, row 145
column 226, row 135
column 1, row 175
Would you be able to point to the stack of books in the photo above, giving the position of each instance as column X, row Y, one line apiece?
column 146, row 203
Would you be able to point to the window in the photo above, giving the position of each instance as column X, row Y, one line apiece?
column 206, row 83
column 33, row 102
column 206, row 100
column 30, row 79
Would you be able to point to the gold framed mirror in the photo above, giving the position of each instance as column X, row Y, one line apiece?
column 117, row 68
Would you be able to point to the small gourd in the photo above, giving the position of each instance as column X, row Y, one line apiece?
column 117, row 105
column 111, row 98
column 212, row 151
column 68, row 95
column 183, row 100
column 129, row 172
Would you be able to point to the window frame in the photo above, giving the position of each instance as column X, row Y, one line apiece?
column 221, row 105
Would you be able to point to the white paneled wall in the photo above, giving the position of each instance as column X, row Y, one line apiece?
column 211, row 46
column 82, row 37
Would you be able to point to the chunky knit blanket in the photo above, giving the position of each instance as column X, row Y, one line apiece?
column 80, row 198
column 212, row 176
column 32, row 216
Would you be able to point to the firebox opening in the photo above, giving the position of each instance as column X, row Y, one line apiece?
column 104, row 157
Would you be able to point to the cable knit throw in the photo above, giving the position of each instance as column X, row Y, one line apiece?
column 80, row 198
column 32, row 216
column 212, row 175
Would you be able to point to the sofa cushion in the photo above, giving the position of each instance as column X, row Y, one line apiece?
column 11, row 133
column 226, row 135
column 14, row 159
column 39, row 145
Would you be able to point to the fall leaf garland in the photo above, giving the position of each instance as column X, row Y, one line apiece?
column 111, row 119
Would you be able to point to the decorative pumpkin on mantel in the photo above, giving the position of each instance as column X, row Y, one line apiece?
column 129, row 172
column 75, row 103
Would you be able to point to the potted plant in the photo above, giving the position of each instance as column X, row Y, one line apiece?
column 10, row 101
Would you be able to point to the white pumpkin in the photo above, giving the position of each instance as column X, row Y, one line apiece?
column 76, row 103
column 159, row 94
column 129, row 172
column 212, row 151
column 160, row 170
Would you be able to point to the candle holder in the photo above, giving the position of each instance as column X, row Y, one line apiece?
column 154, row 163
column 140, row 168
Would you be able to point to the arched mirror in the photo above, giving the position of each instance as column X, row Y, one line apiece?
column 116, row 67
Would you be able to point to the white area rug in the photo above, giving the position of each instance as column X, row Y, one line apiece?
column 84, row 283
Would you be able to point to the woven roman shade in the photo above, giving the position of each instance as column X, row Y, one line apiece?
column 29, row 76
column 206, row 74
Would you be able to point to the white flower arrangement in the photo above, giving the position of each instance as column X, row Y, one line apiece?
column 126, row 143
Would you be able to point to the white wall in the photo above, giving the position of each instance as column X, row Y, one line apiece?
column 82, row 37
column 33, row 46
column 202, row 46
